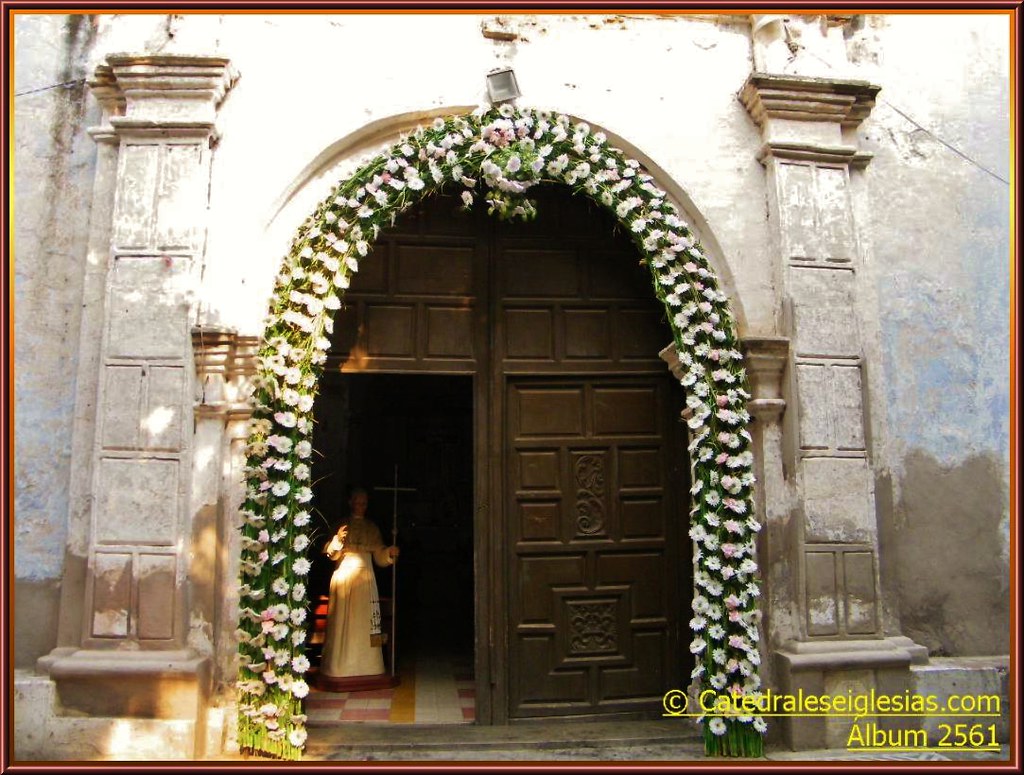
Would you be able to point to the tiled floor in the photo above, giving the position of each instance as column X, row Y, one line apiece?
column 434, row 689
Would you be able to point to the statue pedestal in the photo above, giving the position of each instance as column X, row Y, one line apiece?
column 355, row 683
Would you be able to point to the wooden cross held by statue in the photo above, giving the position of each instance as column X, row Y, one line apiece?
column 394, row 542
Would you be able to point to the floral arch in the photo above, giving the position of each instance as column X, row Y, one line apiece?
column 496, row 155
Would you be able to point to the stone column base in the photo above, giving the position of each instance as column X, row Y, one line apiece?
column 848, row 668
column 130, row 687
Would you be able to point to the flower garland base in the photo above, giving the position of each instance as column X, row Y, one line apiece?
column 355, row 683
column 739, row 740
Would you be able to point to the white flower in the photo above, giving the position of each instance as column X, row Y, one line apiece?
column 279, row 631
column 300, row 689
column 301, row 542
column 279, row 513
column 297, row 737
column 280, row 586
column 717, row 726
column 301, row 472
column 301, row 519
column 281, row 443
column 760, row 725
column 285, row 419
column 304, row 449
column 301, row 566
column 280, row 489
column 298, row 616
column 298, row 637
column 299, row 591
column 697, row 645
column 304, row 495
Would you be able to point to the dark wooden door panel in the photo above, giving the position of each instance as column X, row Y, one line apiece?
column 593, row 608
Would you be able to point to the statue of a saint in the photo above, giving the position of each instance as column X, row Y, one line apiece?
column 352, row 646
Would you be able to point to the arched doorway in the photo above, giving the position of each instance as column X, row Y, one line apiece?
column 510, row 371
column 504, row 162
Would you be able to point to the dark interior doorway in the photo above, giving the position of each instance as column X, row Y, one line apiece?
column 367, row 424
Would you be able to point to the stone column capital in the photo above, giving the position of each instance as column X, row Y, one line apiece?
column 803, row 117
column 766, row 358
column 225, row 365
column 166, row 93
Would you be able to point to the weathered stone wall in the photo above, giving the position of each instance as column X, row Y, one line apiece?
column 53, row 181
column 936, row 288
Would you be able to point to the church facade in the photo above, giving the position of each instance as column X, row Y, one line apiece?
column 847, row 180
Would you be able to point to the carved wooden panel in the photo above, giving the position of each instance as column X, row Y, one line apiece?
column 428, row 270
column 592, row 627
column 593, row 607
column 449, row 332
column 391, row 330
column 529, row 334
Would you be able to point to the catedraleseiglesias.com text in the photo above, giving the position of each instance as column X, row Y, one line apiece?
column 867, row 703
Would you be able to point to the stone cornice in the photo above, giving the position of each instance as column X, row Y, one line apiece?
column 805, row 98
column 837, row 154
column 160, row 95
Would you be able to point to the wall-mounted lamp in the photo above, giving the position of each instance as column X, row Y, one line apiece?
column 502, row 85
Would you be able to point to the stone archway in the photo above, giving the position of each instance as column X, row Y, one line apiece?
column 495, row 155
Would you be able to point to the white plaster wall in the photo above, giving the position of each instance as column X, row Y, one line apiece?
column 666, row 85
column 53, row 167
column 52, row 188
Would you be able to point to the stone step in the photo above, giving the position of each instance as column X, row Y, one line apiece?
column 664, row 739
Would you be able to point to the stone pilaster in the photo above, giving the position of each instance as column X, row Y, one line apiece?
column 835, row 643
column 135, row 527
column 225, row 364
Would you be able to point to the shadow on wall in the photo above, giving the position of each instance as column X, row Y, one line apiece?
column 951, row 572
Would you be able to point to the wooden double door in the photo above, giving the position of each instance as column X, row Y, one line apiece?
column 581, row 563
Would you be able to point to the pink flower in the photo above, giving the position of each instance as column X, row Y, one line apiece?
column 722, row 457
column 728, row 550
column 722, row 401
column 732, row 602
